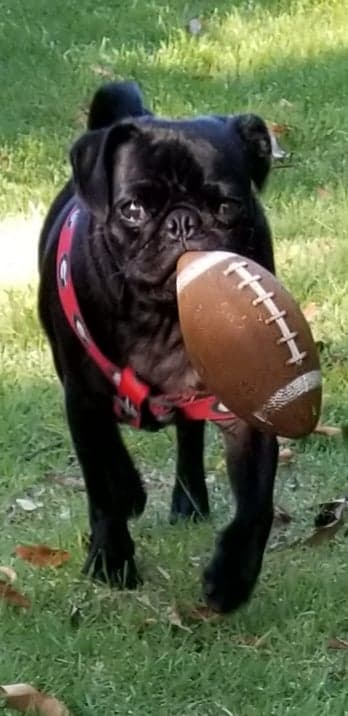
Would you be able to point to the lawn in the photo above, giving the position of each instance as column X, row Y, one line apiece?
column 105, row 652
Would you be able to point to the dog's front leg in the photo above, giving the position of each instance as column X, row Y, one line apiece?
column 251, row 463
column 114, row 488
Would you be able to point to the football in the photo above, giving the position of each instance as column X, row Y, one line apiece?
column 249, row 342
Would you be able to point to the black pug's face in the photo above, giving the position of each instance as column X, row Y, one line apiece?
column 160, row 192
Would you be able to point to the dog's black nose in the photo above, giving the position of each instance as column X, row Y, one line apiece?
column 182, row 223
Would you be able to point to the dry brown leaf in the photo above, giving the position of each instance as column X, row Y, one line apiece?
column 330, row 512
column 281, row 516
column 175, row 619
column 278, row 129
column 286, row 454
column 75, row 483
column 310, row 311
column 329, row 520
column 202, row 613
column 11, row 596
column 337, row 643
column 328, row 430
column 9, row 573
column 42, row 556
column 24, row 697
column 277, row 152
column 323, row 534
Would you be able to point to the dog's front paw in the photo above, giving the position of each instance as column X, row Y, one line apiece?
column 229, row 579
column 112, row 561
column 111, row 570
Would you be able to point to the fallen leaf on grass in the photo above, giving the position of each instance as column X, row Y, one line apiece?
column 24, row 697
column 202, row 613
column 277, row 151
column 11, row 596
column 9, row 573
column 281, row 516
column 75, row 483
column 328, row 430
column 310, row 311
column 278, row 129
column 28, row 505
column 42, row 556
column 330, row 512
column 337, row 643
column 174, row 619
column 286, row 454
column 329, row 520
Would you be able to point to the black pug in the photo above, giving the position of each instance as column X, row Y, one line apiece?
column 145, row 190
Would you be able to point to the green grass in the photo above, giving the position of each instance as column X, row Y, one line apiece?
column 288, row 61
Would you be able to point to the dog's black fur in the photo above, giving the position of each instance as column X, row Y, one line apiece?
column 150, row 189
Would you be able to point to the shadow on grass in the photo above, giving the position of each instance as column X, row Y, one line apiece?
column 64, row 56
column 35, row 439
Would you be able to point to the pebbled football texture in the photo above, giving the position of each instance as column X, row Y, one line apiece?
column 249, row 341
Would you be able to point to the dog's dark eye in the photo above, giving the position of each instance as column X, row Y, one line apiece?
column 228, row 211
column 134, row 212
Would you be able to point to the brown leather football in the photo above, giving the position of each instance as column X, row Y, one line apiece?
column 249, row 342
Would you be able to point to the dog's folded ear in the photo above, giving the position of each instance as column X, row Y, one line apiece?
column 256, row 142
column 92, row 158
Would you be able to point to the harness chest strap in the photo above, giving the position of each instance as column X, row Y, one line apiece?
column 130, row 393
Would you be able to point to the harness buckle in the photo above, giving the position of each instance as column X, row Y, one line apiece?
column 126, row 411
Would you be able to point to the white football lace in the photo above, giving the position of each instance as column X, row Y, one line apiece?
column 266, row 298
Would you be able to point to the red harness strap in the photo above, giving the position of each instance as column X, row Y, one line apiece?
column 131, row 394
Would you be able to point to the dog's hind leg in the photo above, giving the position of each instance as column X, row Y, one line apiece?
column 190, row 496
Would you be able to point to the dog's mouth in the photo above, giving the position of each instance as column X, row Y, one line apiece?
column 156, row 275
column 153, row 272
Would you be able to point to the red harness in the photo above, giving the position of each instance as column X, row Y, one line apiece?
column 131, row 394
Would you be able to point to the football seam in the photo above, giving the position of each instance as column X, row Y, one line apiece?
column 204, row 263
column 266, row 298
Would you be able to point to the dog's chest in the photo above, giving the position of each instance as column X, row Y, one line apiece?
column 161, row 361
